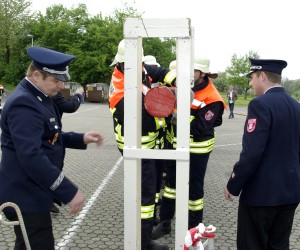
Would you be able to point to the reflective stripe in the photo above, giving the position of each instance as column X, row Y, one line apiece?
column 148, row 142
column 160, row 122
column 198, row 103
column 147, row 212
column 169, row 193
column 201, row 150
column 157, row 197
column 145, row 89
column 201, row 147
column 192, row 118
column 196, row 205
column 169, row 77
column 202, row 144
column 58, row 181
column 112, row 110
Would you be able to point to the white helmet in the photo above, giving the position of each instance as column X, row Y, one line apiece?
column 172, row 65
column 120, row 56
column 202, row 64
column 151, row 60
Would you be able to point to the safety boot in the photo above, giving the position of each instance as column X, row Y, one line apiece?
column 156, row 221
column 163, row 228
column 155, row 246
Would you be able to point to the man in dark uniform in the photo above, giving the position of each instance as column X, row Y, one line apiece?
column 33, row 149
column 267, row 175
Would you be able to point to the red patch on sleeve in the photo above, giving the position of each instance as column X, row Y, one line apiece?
column 251, row 125
column 209, row 115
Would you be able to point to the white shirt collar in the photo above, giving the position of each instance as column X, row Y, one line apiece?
column 35, row 86
column 272, row 88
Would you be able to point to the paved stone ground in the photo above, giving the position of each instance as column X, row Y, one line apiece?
column 99, row 175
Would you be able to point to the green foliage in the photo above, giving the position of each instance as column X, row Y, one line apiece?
column 221, row 82
column 14, row 15
column 238, row 69
column 94, row 42
column 162, row 49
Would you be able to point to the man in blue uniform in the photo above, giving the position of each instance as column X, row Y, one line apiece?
column 33, row 149
column 267, row 175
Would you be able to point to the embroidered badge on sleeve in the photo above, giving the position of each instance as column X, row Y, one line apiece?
column 209, row 115
column 251, row 125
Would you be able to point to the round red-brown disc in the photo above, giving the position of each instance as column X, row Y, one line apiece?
column 160, row 102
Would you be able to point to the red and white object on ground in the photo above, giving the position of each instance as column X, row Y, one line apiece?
column 194, row 235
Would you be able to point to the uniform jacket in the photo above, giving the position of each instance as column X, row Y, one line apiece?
column 67, row 106
column 268, row 171
column 33, row 149
column 208, row 116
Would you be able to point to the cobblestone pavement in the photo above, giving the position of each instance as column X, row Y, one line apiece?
column 99, row 175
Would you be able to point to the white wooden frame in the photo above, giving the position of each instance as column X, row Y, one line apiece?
column 134, row 30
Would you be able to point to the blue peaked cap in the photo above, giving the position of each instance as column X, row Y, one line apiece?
column 269, row 65
column 51, row 61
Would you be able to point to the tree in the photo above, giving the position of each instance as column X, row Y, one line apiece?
column 221, row 82
column 237, row 71
column 14, row 14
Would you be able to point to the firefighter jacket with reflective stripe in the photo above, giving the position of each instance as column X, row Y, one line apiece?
column 150, row 124
column 206, row 113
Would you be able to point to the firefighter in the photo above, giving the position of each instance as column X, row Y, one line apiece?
column 161, row 143
column 206, row 113
column 150, row 126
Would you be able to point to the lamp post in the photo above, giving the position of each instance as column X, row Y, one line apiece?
column 29, row 35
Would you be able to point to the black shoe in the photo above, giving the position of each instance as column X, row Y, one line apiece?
column 54, row 209
column 154, row 246
column 156, row 221
column 163, row 228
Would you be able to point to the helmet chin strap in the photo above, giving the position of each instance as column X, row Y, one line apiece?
column 201, row 79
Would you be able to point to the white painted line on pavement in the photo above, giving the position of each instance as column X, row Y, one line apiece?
column 226, row 145
column 218, row 135
column 77, row 112
column 70, row 232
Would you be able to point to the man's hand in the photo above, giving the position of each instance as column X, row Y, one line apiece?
column 79, row 90
column 91, row 137
column 227, row 195
column 76, row 204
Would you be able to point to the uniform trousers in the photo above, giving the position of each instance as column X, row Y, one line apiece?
column 39, row 231
column 148, row 197
column 265, row 227
column 198, row 166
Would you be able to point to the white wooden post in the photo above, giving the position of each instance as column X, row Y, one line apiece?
column 134, row 30
column 132, row 137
